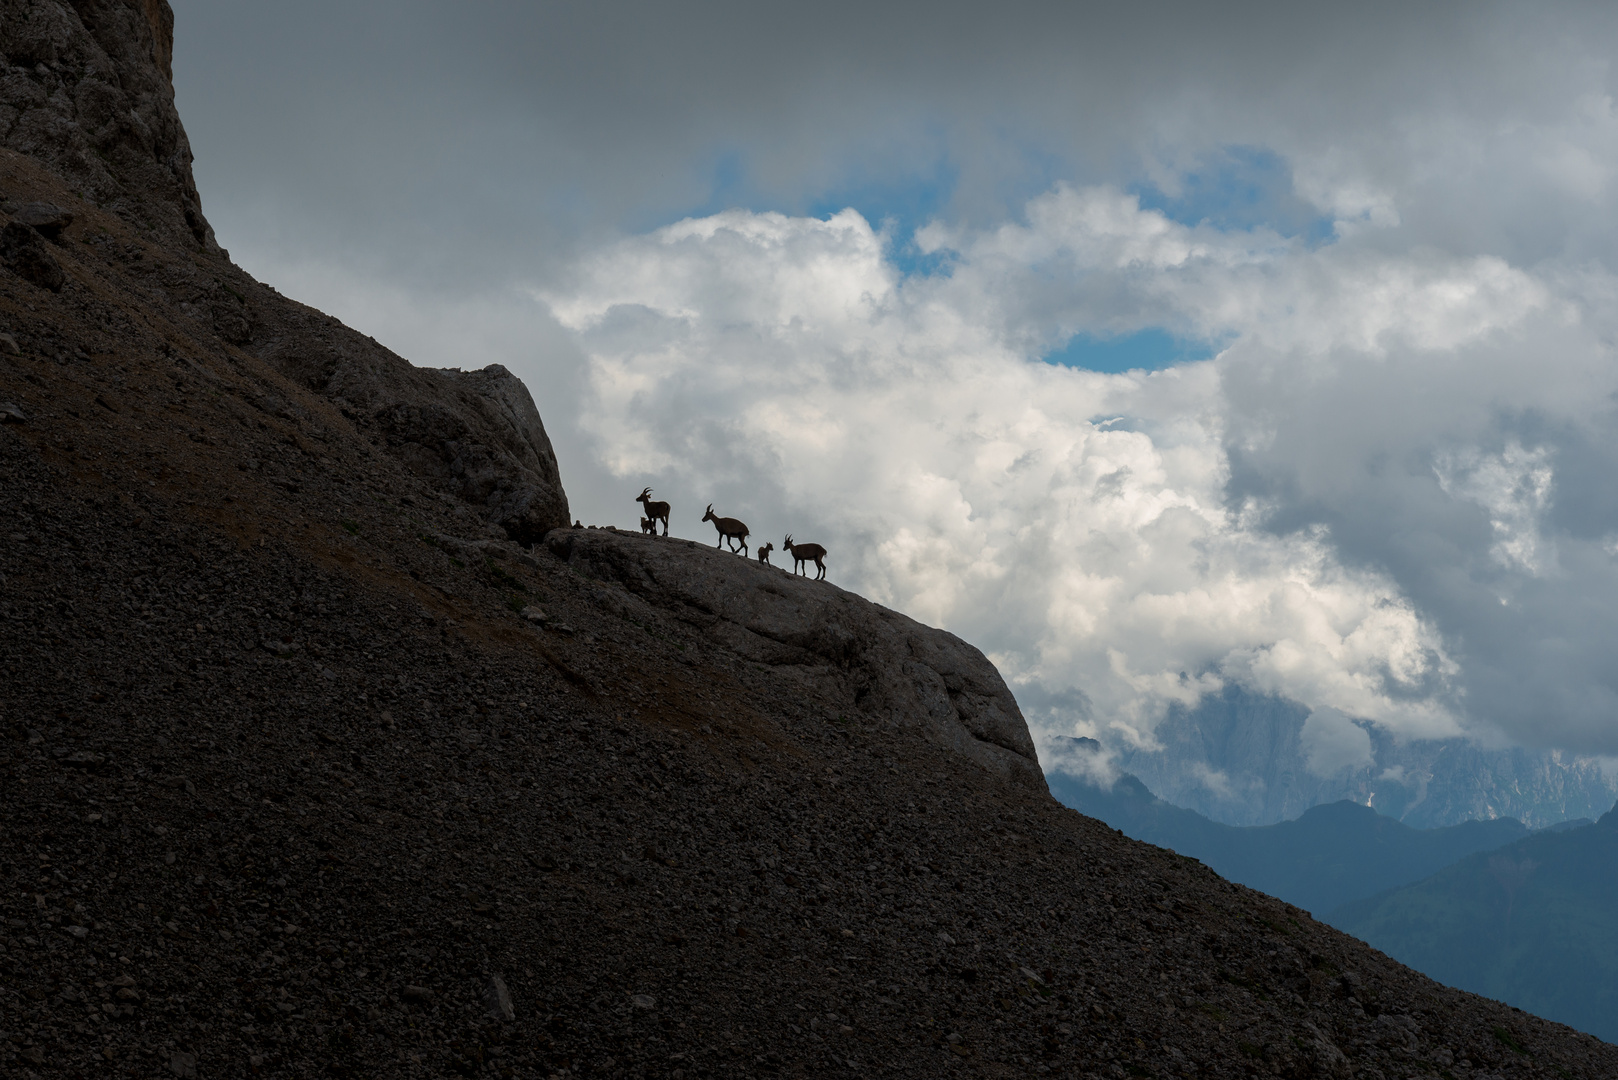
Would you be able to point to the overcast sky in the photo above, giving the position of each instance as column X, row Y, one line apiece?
column 1149, row 350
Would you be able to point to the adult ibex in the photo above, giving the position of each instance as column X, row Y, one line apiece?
column 655, row 511
column 802, row 553
column 764, row 554
column 729, row 529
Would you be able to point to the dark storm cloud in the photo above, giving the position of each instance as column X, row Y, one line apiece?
column 416, row 131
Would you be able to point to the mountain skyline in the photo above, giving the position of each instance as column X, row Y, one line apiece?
column 1243, row 759
column 1329, row 856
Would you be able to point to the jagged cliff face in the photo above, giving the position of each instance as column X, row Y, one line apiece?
column 87, row 91
column 87, row 112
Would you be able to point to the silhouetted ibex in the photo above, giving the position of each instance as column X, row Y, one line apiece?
column 802, row 553
column 729, row 529
column 655, row 511
column 648, row 526
column 764, row 554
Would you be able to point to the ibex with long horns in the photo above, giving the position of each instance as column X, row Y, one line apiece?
column 729, row 529
column 806, row 553
column 655, row 511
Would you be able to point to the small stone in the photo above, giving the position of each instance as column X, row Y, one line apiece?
column 48, row 218
column 534, row 614
column 945, row 940
column 417, row 994
column 183, row 1064
column 8, row 344
column 80, row 932
column 644, row 1001
column 11, row 414
column 497, row 999
column 169, row 857
column 34, row 1055
column 328, row 673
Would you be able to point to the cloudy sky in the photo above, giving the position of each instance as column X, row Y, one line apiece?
column 1152, row 351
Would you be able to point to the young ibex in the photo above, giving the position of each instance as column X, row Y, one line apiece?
column 802, row 553
column 648, row 526
column 655, row 512
column 764, row 554
column 729, row 529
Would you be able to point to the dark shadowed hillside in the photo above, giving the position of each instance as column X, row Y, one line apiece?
column 1329, row 856
column 329, row 750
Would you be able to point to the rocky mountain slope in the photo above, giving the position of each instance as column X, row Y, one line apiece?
column 315, row 763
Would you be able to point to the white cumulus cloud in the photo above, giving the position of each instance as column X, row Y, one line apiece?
column 1077, row 525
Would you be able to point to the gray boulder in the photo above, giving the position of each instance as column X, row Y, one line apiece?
column 879, row 663
column 48, row 218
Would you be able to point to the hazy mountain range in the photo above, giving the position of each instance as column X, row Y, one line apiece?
column 1329, row 856
column 1246, row 759
column 1532, row 924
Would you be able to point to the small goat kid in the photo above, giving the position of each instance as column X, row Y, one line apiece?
column 729, row 529
column 806, row 553
column 655, row 512
column 648, row 526
column 764, row 554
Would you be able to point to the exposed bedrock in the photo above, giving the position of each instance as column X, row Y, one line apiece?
column 874, row 660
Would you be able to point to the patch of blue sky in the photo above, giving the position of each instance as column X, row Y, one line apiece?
column 1152, row 349
column 896, row 204
column 1239, row 188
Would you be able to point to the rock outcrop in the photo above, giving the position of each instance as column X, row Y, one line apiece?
column 86, row 90
column 845, row 650
column 86, row 94
column 476, row 435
